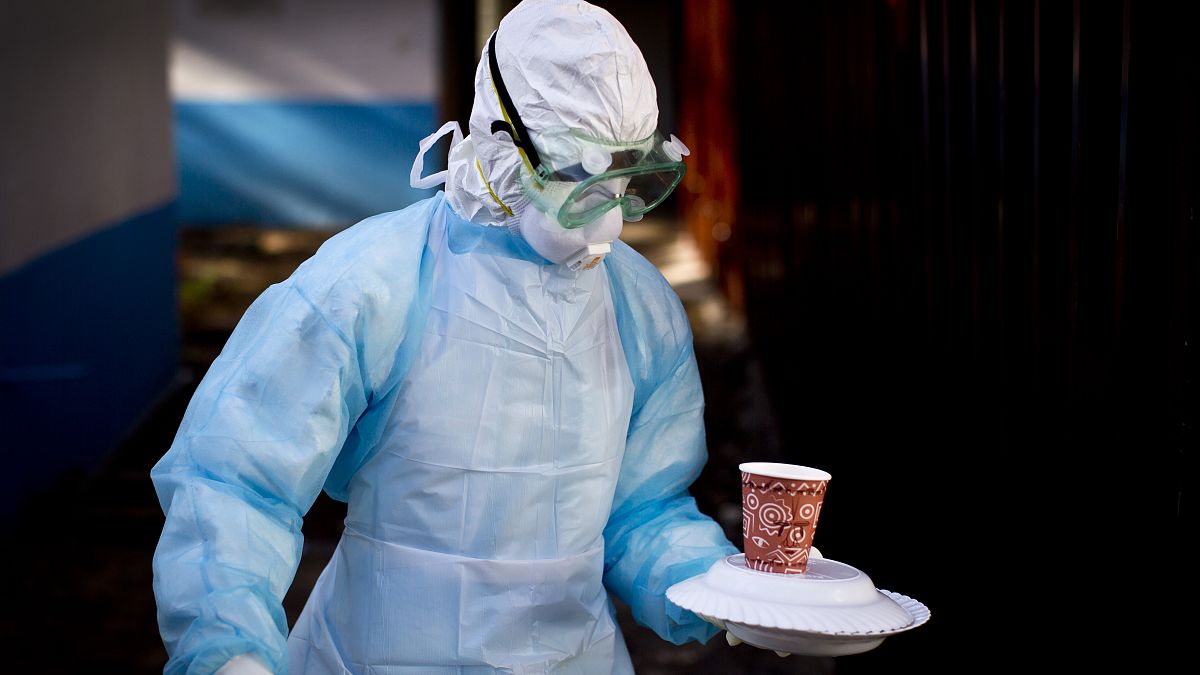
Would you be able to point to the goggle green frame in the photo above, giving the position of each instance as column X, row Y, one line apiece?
column 571, row 219
column 513, row 125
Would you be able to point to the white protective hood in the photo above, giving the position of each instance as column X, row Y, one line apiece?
column 565, row 63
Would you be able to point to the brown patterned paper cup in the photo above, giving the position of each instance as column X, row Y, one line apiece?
column 780, row 507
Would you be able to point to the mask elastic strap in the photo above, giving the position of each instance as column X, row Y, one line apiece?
column 415, row 178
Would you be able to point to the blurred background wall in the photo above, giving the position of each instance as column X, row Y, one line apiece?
column 87, row 231
column 300, row 112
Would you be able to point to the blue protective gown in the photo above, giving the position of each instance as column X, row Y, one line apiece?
column 514, row 441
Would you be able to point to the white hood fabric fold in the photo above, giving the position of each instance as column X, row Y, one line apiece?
column 566, row 64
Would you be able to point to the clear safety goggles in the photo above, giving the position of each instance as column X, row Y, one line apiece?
column 575, row 178
column 579, row 177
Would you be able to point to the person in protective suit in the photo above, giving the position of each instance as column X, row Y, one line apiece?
column 504, row 393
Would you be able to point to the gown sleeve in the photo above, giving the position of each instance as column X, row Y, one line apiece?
column 255, row 446
column 267, row 428
column 656, row 536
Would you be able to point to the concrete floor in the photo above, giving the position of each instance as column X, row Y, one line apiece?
column 82, row 599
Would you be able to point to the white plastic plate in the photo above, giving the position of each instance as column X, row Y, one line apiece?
column 833, row 609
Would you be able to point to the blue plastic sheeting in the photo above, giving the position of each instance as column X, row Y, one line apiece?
column 89, row 340
column 296, row 164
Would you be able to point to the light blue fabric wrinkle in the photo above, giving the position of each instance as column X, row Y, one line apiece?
column 479, row 410
column 403, row 234
column 468, row 237
column 471, row 404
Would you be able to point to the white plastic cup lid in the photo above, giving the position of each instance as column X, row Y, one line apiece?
column 784, row 471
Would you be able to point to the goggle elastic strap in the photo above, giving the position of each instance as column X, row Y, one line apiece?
column 511, row 124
